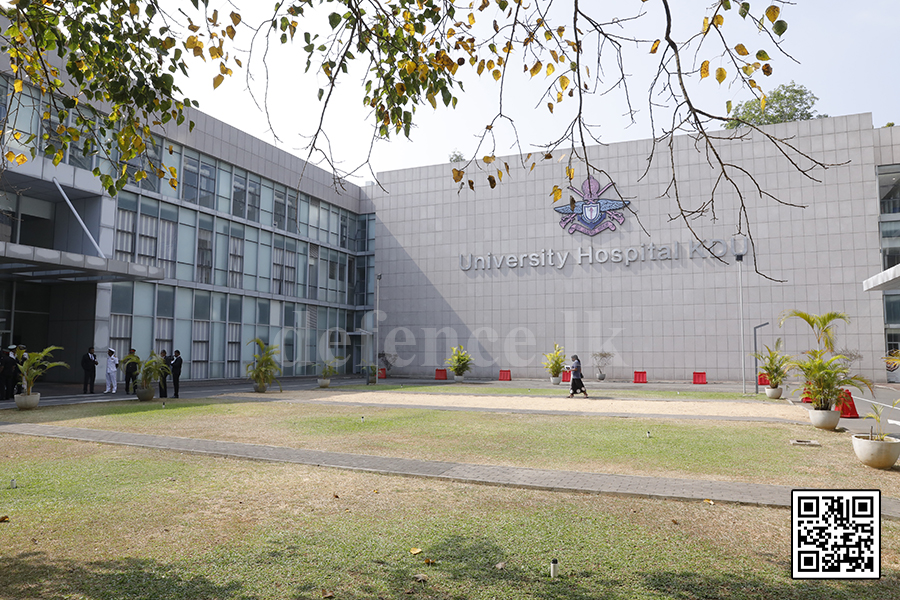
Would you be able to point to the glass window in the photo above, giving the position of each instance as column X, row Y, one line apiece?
column 223, row 204
column 204, row 249
column 208, row 182
column 239, row 194
column 278, row 219
column 122, row 294
column 889, row 188
column 201, row 305
column 254, row 191
column 292, row 211
column 171, row 158
column 234, row 309
column 165, row 301
column 890, row 243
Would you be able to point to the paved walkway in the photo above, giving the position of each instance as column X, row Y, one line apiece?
column 544, row 479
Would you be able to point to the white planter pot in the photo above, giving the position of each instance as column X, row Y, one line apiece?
column 879, row 454
column 601, row 376
column 555, row 380
column 27, row 401
column 324, row 382
column 260, row 388
column 773, row 393
column 824, row 419
column 459, row 378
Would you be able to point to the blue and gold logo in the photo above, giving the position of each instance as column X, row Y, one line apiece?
column 593, row 213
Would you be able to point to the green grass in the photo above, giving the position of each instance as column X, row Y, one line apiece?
column 753, row 452
column 487, row 389
column 104, row 522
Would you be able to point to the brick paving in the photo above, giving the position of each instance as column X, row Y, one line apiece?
column 543, row 479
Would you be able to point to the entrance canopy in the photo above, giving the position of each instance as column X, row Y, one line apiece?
column 886, row 280
column 42, row 265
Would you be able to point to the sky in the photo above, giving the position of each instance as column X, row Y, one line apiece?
column 844, row 56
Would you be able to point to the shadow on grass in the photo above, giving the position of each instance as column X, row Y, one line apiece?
column 34, row 575
column 688, row 585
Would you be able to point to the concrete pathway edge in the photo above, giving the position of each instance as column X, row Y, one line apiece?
column 540, row 479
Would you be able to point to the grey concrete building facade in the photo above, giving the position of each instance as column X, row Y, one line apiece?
column 244, row 247
column 506, row 275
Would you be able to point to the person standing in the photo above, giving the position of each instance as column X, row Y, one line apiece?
column 131, row 368
column 8, row 375
column 89, row 364
column 164, row 374
column 112, row 370
column 577, row 382
column 177, row 361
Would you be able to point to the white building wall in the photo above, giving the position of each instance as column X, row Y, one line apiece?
column 667, row 317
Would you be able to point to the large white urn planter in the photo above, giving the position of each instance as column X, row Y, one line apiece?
column 555, row 380
column 459, row 378
column 773, row 393
column 323, row 383
column 144, row 394
column 879, row 454
column 824, row 419
column 27, row 401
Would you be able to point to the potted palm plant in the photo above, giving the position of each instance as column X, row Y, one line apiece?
column 35, row 365
column 555, row 362
column 149, row 371
column 824, row 383
column 773, row 364
column 601, row 359
column 876, row 448
column 328, row 371
column 264, row 367
column 460, row 362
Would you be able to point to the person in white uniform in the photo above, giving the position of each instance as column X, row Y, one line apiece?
column 112, row 368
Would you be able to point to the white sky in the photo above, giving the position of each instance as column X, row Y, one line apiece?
column 847, row 54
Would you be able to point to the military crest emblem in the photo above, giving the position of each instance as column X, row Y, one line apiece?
column 593, row 213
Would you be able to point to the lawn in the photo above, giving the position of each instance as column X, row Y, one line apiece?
column 93, row 521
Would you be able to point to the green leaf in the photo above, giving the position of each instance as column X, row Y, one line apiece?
column 726, row 4
column 321, row 93
column 334, row 19
column 744, row 10
column 761, row 55
column 779, row 28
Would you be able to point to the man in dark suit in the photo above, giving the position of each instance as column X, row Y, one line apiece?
column 8, row 369
column 163, row 389
column 89, row 364
column 177, row 361
column 131, row 368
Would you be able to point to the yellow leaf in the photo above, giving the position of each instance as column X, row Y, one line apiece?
column 17, row 85
column 654, row 47
column 536, row 68
column 742, row 50
column 762, row 103
column 751, row 83
column 488, row 159
column 718, row 20
column 217, row 81
column 492, row 182
column 415, row 551
column 550, row 106
column 235, row 18
column 767, row 69
column 550, row 69
column 458, row 175
column 564, row 82
column 133, row 9
column 431, row 100
column 772, row 12
column 705, row 24
column 704, row 69
column 10, row 156
column 557, row 193
column 721, row 74
column 499, row 174
column 471, row 19
column 728, row 107
column 496, row 74
column 570, row 173
column 21, row 159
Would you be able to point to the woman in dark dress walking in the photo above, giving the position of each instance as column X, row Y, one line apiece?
column 577, row 381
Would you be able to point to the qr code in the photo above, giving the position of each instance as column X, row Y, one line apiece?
column 836, row 534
